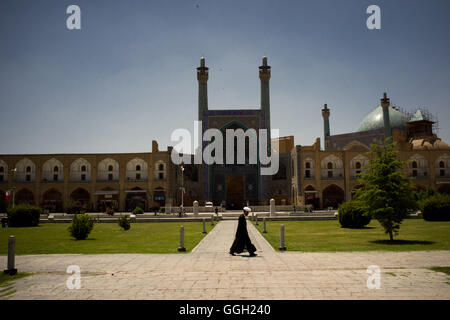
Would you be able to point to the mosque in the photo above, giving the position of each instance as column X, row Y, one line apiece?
column 307, row 175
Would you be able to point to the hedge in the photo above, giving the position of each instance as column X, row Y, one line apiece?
column 24, row 215
column 351, row 214
column 436, row 208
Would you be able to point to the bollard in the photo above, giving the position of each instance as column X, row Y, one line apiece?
column 272, row 208
column 212, row 220
column 256, row 217
column 181, row 248
column 264, row 223
column 282, row 246
column 204, row 225
column 11, row 256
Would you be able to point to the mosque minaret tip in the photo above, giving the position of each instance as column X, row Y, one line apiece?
column 326, row 123
column 202, row 77
column 385, row 103
column 264, row 76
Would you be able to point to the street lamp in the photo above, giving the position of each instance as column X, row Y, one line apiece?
column 13, row 189
column 182, row 187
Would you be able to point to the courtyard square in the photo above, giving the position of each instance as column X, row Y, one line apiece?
column 209, row 272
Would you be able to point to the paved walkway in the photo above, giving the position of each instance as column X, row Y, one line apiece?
column 209, row 272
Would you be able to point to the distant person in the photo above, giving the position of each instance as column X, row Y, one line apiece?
column 216, row 210
column 4, row 222
column 242, row 240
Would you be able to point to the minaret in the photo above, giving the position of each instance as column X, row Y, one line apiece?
column 202, row 77
column 326, row 123
column 385, row 103
column 264, row 76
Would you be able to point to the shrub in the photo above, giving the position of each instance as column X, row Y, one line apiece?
column 75, row 207
column 82, row 225
column 352, row 214
column 138, row 210
column 124, row 223
column 436, row 208
column 24, row 215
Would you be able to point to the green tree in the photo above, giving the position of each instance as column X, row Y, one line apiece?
column 389, row 196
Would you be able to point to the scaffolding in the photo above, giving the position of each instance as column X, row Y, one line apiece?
column 426, row 115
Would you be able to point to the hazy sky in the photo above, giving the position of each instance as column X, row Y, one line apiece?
column 128, row 76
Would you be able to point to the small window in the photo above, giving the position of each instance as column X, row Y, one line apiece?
column 83, row 168
column 161, row 176
column 55, row 177
column 358, row 165
column 55, row 169
column 442, row 173
column 308, row 165
column 28, row 177
column 83, row 177
column 161, row 167
column 307, row 174
column 330, row 174
column 110, row 168
column 138, row 176
column 414, row 164
column 414, row 173
column 28, row 169
column 441, row 164
column 1, row 177
column 138, row 168
column 110, row 177
column 329, row 165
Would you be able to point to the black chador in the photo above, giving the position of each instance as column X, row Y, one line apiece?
column 242, row 240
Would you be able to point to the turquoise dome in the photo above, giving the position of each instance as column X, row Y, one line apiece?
column 374, row 120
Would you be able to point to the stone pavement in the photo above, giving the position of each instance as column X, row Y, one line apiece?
column 209, row 272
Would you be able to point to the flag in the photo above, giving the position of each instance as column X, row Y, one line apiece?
column 8, row 195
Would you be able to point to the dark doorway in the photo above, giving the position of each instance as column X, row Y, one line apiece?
column 235, row 192
column 333, row 196
column 136, row 198
column 52, row 200
column 24, row 196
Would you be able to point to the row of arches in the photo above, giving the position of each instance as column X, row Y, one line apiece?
column 332, row 166
column 53, row 199
column 80, row 170
column 334, row 195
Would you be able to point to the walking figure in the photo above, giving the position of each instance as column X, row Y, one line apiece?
column 242, row 240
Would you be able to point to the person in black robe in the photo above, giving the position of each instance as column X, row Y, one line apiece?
column 242, row 240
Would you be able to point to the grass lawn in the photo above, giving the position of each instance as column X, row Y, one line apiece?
column 328, row 236
column 52, row 238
